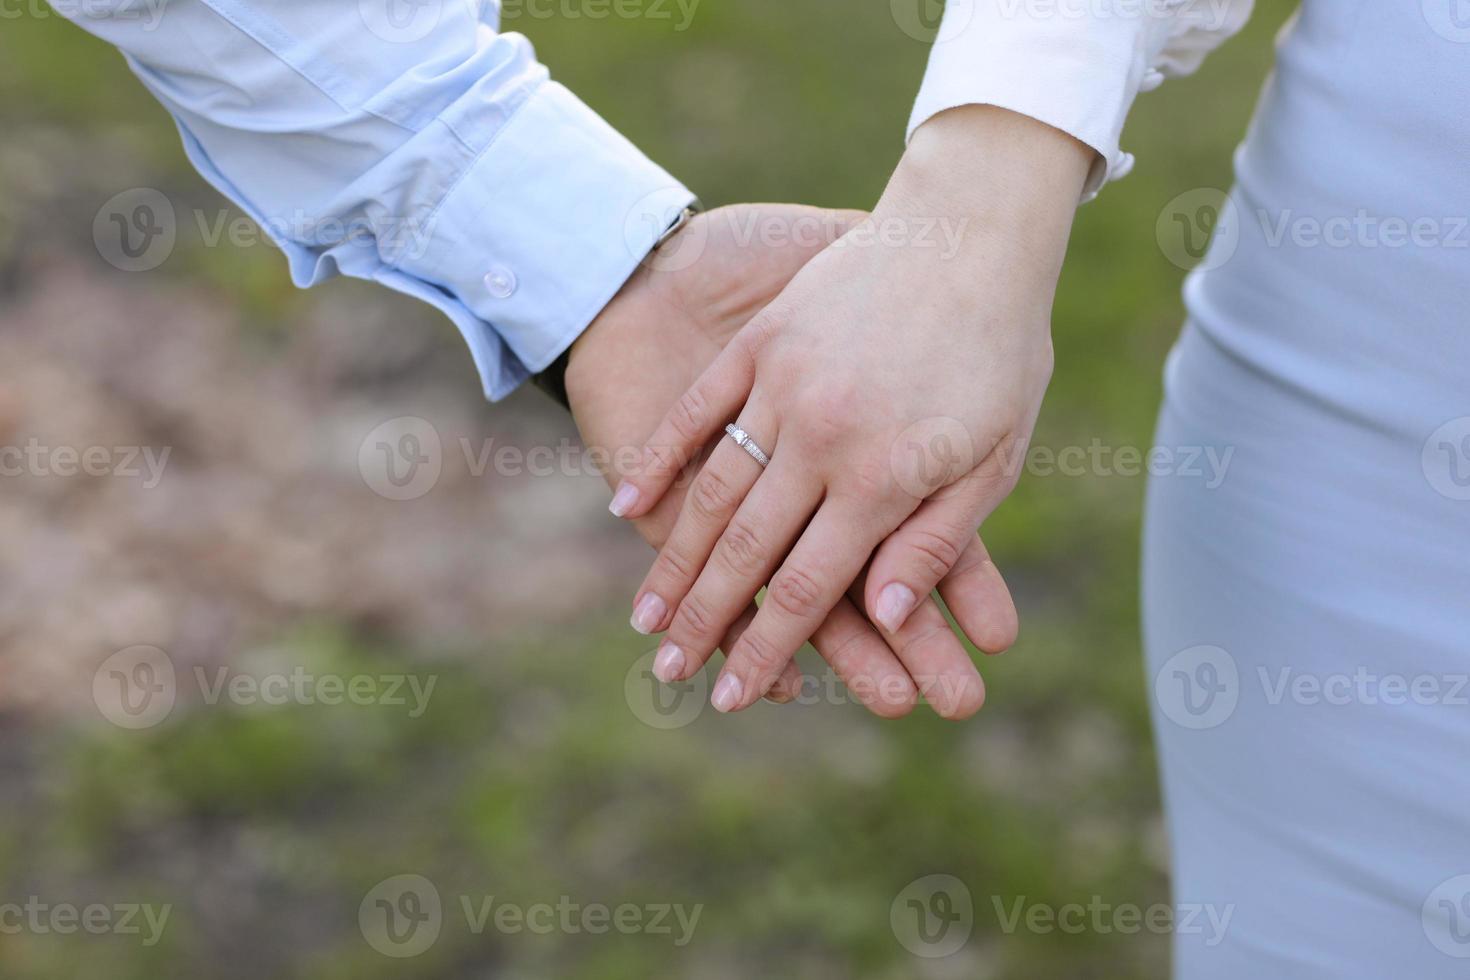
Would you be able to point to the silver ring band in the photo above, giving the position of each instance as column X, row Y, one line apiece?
column 743, row 440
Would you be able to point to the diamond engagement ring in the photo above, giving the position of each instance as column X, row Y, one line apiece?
column 743, row 440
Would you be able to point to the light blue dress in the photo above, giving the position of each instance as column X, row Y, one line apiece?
column 1308, row 620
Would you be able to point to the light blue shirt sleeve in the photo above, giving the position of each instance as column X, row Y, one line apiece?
column 411, row 143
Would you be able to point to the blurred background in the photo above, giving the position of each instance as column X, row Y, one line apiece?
column 465, row 724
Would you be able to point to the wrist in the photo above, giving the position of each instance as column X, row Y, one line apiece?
column 1005, row 175
column 591, row 348
column 583, row 349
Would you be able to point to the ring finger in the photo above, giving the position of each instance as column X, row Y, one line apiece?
column 718, row 488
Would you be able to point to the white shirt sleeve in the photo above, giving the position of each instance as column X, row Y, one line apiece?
column 1076, row 65
column 409, row 143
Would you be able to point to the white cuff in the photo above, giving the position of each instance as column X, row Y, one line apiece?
column 1076, row 65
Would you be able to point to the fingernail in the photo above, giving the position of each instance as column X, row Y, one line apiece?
column 727, row 693
column 779, row 695
column 624, row 500
column 668, row 666
column 895, row 603
column 648, row 613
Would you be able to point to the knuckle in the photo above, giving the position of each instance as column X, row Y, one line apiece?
column 913, row 645
column 839, row 400
column 972, row 560
column 689, row 414
column 711, row 496
column 754, row 649
column 742, row 550
column 829, row 413
column 935, row 553
column 797, row 592
column 763, row 327
column 660, row 459
column 694, row 618
column 840, row 651
column 872, row 481
column 673, row 564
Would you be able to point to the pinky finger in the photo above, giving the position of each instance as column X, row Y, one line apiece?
column 788, row 686
column 980, row 601
column 786, row 689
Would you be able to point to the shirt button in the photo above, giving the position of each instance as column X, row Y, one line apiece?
column 500, row 282
column 1151, row 80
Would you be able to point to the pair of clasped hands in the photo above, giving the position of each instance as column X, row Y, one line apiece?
column 893, row 379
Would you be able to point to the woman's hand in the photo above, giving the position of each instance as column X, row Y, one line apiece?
column 655, row 339
column 894, row 385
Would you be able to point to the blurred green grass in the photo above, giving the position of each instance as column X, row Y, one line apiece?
column 530, row 778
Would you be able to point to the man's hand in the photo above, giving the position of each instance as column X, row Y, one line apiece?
column 651, row 343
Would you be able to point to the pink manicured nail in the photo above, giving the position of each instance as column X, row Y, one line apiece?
column 895, row 603
column 624, row 500
column 668, row 666
column 727, row 693
column 648, row 613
